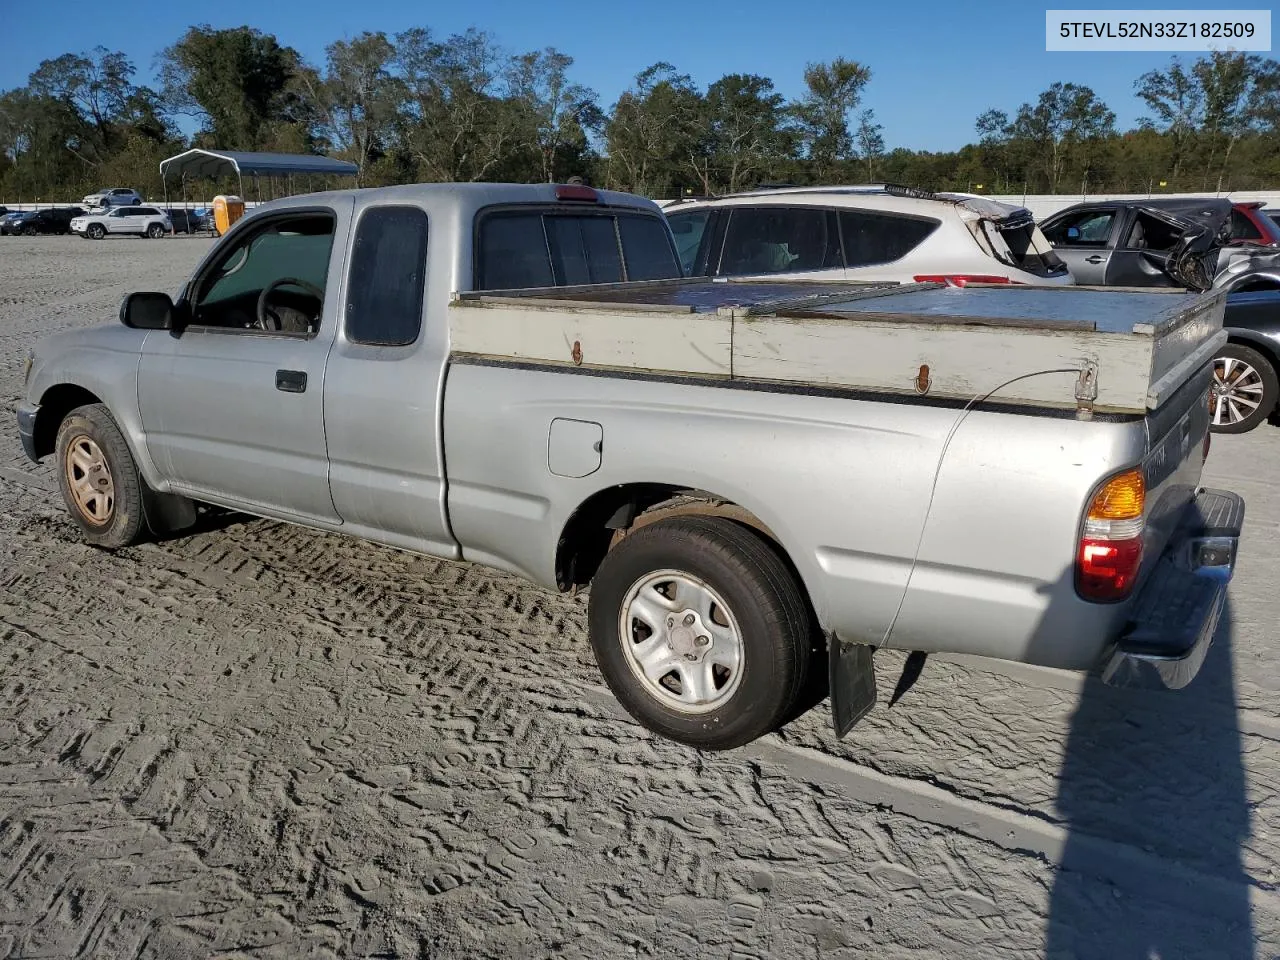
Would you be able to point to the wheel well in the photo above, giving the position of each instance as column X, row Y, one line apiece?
column 605, row 517
column 56, row 403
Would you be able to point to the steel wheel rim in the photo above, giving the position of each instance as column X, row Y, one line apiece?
column 1237, row 391
column 681, row 641
column 89, row 479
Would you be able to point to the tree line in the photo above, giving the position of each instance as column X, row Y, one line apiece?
column 414, row 107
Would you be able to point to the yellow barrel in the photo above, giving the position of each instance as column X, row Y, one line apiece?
column 226, row 211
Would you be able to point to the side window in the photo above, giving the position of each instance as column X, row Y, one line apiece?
column 286, row 256
column 780, row 240
column 689, row 229
column 1087, row 228
column 871, row 237
column 646, row 248
column 1149, row 233
column 512, row 252
column 387, row 276
column 1243, row 229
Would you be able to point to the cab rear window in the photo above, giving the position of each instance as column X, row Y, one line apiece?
column 543, row 248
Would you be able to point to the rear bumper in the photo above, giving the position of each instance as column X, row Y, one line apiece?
column 27, row 429
column 1175, row 616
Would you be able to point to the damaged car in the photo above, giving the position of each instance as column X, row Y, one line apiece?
column 1195, row 243
column 879, row 232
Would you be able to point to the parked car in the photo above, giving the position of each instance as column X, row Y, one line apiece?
column 134, row 221
column 862, row 233
column 3, row 210
column 7, row 219
column 113, row 197
column 1246, row 372
column 1189, row 242
column 610, row 434
column 187, row 221
column 55, row 220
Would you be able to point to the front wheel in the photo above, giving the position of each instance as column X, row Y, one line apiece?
column 99, row 479
column 701, row 631
column 1245, row 389
column 95, row 231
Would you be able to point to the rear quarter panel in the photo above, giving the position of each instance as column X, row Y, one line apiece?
column 843, row 483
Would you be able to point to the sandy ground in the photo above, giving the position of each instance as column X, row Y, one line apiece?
column 259, row 741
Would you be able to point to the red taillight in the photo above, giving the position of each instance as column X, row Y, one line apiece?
column 574, row 191
column 961, row 279
column 1110, row 553
column 1107, row 569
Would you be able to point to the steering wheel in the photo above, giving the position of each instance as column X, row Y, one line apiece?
column 270, row 322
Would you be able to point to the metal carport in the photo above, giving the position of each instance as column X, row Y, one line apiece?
column 197, row 163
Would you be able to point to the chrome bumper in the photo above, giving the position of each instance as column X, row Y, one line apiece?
column 1175, row 616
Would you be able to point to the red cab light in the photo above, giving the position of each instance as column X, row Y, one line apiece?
column 961, row 279
column 576, row 191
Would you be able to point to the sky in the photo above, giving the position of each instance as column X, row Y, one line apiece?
column 934, row 65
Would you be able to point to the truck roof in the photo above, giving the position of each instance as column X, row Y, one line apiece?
column 474, row 195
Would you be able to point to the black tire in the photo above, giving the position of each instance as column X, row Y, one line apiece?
column 29, row 232
column 124, row 519
column 1262, row 386
column 95, row 231
column 765, row 599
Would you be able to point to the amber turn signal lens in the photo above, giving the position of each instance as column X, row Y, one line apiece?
column 1123, row 498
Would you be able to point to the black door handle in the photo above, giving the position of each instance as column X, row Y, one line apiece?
column 1096, row 258
column 291, row 381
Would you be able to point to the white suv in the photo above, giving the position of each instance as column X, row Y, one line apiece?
column 881, row 232
column 139, row 221
column 113, row 197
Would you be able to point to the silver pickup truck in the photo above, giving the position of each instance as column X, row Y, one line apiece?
column 760, row 483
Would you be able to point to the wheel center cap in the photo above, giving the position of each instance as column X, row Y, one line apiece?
column 682, row 640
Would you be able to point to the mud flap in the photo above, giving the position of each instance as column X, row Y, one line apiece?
column 852, row 683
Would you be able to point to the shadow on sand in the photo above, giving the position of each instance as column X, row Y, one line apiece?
column 1152, row 790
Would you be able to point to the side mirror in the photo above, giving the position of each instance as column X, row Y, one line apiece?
column 147, row 311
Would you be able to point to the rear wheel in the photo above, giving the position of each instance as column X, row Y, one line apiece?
column 1245, row 389
column 155, row 231
column 701, row 631
column 99, row 479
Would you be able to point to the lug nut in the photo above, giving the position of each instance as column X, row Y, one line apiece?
column 691, row 656
column 671, row 621
column 688, row 619
column 702, row 641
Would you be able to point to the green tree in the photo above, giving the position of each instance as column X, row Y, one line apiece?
column 869, row 141
column 559, row 113
column 456, row 122
column 655, row 132
column 357, row 98
column 1063, row 126
column 747, row 128
column 833, row 91
column 237, row 82
column 1241, row 94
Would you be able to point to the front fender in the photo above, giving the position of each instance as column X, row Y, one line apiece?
column 102, row 361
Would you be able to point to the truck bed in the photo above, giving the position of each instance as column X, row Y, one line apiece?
column 930, row 340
